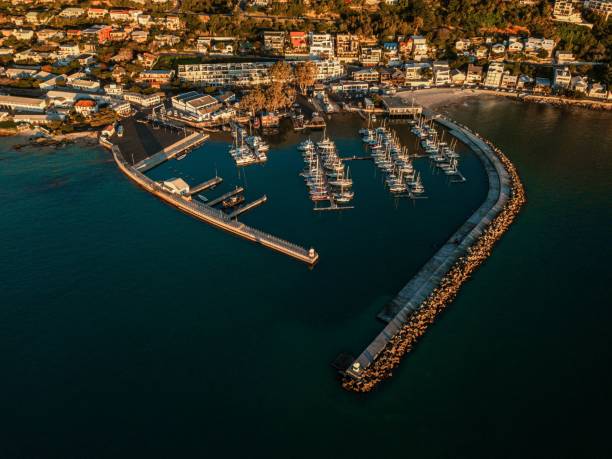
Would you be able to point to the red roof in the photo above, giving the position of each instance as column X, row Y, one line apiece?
column 85, row 103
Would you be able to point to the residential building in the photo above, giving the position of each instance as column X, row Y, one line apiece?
column 564, row 57
column 72, row 13
column 274, row 42
column 298, row 42
column 321, row 45
column 97, row 33
column 329, row 69
column 474, row 74
column 69, row 50
column 562, row 77
column 597, row 91
column 462, row 45
column 600, row 7
column 579, row 84
column 508, row 80
column 348, row 86
column 416, row 74
column 370, row 75
column 441, row 73
column 156, row 78
column 347, row 48
column 420, row 48
column 144, row 100
column 565, row 11
column 96, row 13
column 494, row 74
column 242, row 74
column 370, row 56
column 457, row 77
column 121, row 107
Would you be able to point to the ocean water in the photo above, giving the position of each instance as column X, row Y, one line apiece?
column 128, row 329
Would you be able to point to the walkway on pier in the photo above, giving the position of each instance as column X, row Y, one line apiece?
column 204, row 185
column 213, row 216
column 191, row 141
column 410, row 298
column 223, row 197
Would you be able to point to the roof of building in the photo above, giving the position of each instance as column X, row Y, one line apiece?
column 85, row 103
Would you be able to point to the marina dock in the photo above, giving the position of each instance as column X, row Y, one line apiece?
column 249, row 206
column 417, row 290
column 214, row 216
column 205, row 186
column 225, row 196
column 190, row 142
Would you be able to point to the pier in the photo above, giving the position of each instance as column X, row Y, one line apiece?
column 249, row 206
column 205, row 186
column 214, row 216
column 190, row 142
column 420, row 288
column 225, row 196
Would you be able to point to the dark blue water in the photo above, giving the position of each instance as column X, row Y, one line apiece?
column 128, row 329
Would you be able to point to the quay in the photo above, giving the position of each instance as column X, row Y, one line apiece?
column 249, row 206
column 410, row 299
column 205, row 186
column 357, row 158
column 190, row 142
column 225, row 196
column 213, row 216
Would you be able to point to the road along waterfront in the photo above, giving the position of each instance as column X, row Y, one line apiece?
column 438, row 282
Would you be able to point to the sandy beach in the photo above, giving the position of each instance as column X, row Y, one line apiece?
column 438, row 98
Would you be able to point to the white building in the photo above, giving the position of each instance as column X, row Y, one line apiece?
column 494, row 74
column 321, row 45
column 565, row 11
column 24, row 104
column 241, row 74
column 329, row 69
column 441, row 72
column 600, row 7
column 143, row 100
column 562, row 77
column 72, row 13
column 196, row 106
column 176, row 186
column 420, row 48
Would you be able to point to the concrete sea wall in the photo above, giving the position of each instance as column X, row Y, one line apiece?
column 438, row 281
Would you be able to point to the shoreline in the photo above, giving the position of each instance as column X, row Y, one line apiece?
column 439, row 98
column 33, row 138
column 398, row 338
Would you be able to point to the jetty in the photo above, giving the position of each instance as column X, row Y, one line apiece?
column 205, row 186
column 410, row 299
column 190, row 142
column 249, row 206
column 225, row 196
column 213, row 216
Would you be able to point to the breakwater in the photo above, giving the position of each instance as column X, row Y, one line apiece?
column 436, row 285
column 213, row 216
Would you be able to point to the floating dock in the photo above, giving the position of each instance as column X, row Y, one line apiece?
column 205, row 186
column 249, row 206
column 225, row 196
column 410, row 298
column 190, row 142
column 213, row 216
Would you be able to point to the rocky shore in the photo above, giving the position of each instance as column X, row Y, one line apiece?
column 89, row 138
column 403, row 341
